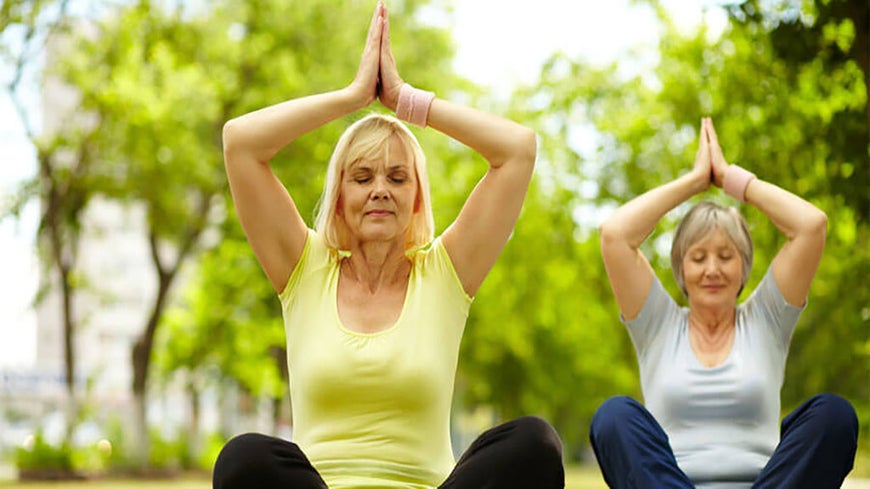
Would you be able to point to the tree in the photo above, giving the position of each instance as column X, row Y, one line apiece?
column 147, row 64
column 65, row 180
column 824, row 49
column 774, row 115
column 132, row 75
column 273, row 63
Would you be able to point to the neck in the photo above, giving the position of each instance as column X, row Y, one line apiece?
column 376, row 264
column 712, row 324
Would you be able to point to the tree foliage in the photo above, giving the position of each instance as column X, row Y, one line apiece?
column 795, row 122
column 262, row 63
column 787, row 89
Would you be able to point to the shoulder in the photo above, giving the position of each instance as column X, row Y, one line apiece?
column 315, row 254
column 659, row 316
column 767, row 306
column 432, row 262
column 658, row 306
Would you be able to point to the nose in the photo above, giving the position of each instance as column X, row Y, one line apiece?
column 379, row 190
column 711, row 267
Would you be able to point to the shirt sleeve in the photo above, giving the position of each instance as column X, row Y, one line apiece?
column 299, row 269
column 659, row 313
column 768, row 308
column 436, row 261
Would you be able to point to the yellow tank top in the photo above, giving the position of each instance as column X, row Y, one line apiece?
column 373, row 410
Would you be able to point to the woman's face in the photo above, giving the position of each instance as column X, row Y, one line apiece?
column 713, row 271
column 378, row 196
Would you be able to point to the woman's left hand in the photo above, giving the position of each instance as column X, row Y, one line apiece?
column 390, row 81
column 716, row 156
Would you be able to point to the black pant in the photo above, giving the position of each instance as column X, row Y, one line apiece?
column 524, row 453
column 816, row 449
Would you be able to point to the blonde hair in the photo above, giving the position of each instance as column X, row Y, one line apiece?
column 702, row 219
column 370, row 137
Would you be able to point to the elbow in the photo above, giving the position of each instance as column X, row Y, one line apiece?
column 812, row 227
column 229, row 135
column 607, row 233
column 529, row 145
column 525, row 147
column 817, row 223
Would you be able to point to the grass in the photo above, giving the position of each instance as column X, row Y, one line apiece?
column 575, row 478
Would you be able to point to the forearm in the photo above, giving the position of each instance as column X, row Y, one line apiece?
column 264, row 132
column 635, row 220
column 794, row 216
column 497, row 139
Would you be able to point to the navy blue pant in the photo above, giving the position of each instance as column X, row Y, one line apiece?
column 524, row 453
column 816, row 450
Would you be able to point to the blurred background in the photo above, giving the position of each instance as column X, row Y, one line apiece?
column 138, row 333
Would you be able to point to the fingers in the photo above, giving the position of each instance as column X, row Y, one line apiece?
column 375, row 25
column 364, row 86
column 390, row 81
column 373, row 40
column 385, row 35
column 704, row 136
column 703, row 140
column 714, row 140
column 386, row 45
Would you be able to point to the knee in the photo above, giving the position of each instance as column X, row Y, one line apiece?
column 611, row 416
column 241, row 457
column 539, row 437
column 837, row 416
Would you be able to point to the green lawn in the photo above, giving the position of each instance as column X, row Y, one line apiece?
column 576, row 478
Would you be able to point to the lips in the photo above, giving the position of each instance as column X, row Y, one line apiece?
column 378, row 213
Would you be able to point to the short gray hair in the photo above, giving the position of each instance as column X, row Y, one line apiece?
column 702, row 219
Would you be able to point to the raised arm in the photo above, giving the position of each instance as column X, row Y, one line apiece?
column 803, row 224
column 478, row 235
column 629, row 272
column 267, row 213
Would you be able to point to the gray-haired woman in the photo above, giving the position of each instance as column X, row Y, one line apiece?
column 711, row 373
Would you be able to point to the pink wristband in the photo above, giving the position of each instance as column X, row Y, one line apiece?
column 413, row 105
column 735, row 182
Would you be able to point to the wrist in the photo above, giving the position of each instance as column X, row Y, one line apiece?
column 353, row 98
column 735, row 181
column 699, row 181
column 413, row 105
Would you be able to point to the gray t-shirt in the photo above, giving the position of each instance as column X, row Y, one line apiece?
column 722, row 422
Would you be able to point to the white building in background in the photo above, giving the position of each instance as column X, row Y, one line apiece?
column 110, row 307
column 115, row 291
column 116, row 284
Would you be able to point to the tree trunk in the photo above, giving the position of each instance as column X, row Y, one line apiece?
column 140, row 445
column 141, row 363
column 195, row 442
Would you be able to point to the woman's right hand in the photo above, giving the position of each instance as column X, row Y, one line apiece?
column 364, row 87
column 702, row 171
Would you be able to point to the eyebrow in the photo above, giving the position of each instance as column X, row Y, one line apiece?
column 365, row 165
column 718, row 249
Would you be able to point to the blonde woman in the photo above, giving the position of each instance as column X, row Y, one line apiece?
column 374, row 305
column 711, row 373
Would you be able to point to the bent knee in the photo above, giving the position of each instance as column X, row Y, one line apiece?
column 240, row 457
column 540, row 434
column 838, row 414
column 612, row 414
